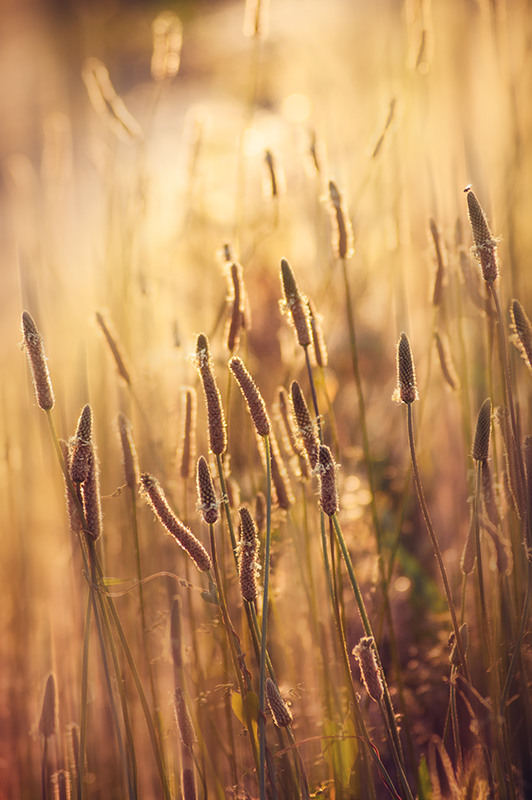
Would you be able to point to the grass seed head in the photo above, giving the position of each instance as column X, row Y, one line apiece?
column 482, row 432
column 189, row 784
column 326, row 470
column 282, row 716
column 342, row 230
column 248, row 565
column 364, row 653
column 215, row 414
column 522, row 332
column 33, row 344
column 187, row 447
column 304, row 425
column 252, row 396
column 130, row 460
column 184, row 720
column 153, row 492
column 406, row 391
column 208, row 503
column 485, row 247
column 47, row 721
column 81, row 446
column 90, row 492
column 296, row 304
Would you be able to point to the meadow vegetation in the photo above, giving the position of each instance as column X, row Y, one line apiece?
column 266, row 456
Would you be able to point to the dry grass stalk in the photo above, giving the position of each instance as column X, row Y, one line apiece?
column 187, row 448
column 256, row 19
column 167, row 40
column 34, row 347
column 184, row 720
column 469, row 553
column 107, row 102
column 81, row 446
column 437, row 293
column 282, row 716
column 237, row 298
column 454, row 656
column 485, row 247
column 364, row 653
column 176, row 633
column 326, row 471
column 304, row 425
column 110, row 338
column 155, row 496
column 74, row 518
column 488, row 494
column 130, row 461
column 252, row 396
column 446, row 363
column 248, row 564
column 406, row 391
column 503, row 552
column 280, row 479
column 342, row 230
column 517, row 491
column 270, row 166
column 482, row 432
column 47, row 721
column 208, row 504
column 522, row 332
column 215, row 414
column 296, row 304
column 318, row 341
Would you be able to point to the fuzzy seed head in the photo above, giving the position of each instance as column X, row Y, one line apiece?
column 342, row 230
column 184, row 720
column 61, row 785
column 154, row 495
column 215, row 414
column 252, row 396
column 47, row 721
column 296, row 304
column 248, row 565
column 282, row 716
column 130, row 461
column 189, row 784
column 326, row 471
column 522, row 332
column 304, row 425
column 406, row 391
column 364, row 653
column 33, row 344
column 485, row 248
column 206, row 495
column 81, row 446
column 237, row 319
column 90, row 492
column 482, row 432
column 72, row 507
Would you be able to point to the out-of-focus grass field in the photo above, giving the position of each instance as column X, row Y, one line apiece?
column 402, row 105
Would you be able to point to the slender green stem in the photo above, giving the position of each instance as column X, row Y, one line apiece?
column 435, row 543
column 264, row 628
column 84, row 695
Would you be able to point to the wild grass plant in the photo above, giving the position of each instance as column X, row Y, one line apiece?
column 217, row 304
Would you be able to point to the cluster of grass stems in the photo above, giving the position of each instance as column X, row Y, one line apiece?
column 267, row 655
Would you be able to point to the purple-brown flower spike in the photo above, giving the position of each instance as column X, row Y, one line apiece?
column 406, row 391
column 252, row 396
column 208, row 504
column 215, row 414
column 39, row 368
column 296, row 304
column 485, row 247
